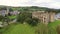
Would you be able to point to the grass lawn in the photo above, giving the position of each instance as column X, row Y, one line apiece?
column 19, row 29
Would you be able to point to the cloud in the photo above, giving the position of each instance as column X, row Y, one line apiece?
column 43, row 3
column 54, row 5
column 13, row 2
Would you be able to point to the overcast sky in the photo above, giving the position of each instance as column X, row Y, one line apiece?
column 43, row 3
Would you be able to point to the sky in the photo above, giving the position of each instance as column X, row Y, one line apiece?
column 40, row 3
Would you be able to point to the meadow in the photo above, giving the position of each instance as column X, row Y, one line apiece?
column 27, row 29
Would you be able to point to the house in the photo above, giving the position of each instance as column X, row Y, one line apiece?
column 14, row 12
column 3, row 12
column 57, row 16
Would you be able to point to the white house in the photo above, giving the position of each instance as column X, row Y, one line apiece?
column 57, row 16
column 3, row 12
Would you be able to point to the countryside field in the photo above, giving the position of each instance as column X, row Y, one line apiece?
column 29, row 20
column 27, row 29
column 52, row 26
column 19, row 29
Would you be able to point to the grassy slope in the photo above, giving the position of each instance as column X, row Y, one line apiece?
column 26, row 29
column 19, row 29
column 52, row 26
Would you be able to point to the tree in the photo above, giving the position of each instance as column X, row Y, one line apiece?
column 1, row 17
column 6, row 19
column 23, row 16
column 27, row 17
column 32, row 21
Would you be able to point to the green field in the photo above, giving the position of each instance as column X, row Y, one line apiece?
column 27, row 29
column 19, row 29
column 52, row 26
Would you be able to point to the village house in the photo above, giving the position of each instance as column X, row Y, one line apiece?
column 2, row 12
column 57, row 17
column 14, row 12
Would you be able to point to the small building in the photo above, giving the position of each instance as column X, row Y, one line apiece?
column 57, row 16
column 3, row 12
column 14, row 12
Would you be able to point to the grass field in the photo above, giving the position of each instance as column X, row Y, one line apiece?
column 19, row 29
column 27, row 29
column 52, row 26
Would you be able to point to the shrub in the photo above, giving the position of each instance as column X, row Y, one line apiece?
column 32, row 21
column 1, row 17
column 35, row 21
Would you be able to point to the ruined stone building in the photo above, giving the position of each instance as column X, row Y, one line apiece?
column 43, row 16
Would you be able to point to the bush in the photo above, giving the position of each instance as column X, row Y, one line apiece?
column 35, row 21
column 1, row 17
column 5, row 19
column 32, row 21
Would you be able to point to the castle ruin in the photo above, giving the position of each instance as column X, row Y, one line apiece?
column 43, row 16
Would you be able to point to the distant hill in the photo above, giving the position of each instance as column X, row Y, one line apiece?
column 32, row 8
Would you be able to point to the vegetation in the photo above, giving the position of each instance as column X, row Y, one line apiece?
column 27, row 17
column 41, row 29
column 32, row 21
column 52, row 27
column 19, row 29
column 29, row 9
column 27, row 29
column 25, row 22
column 23, row 16
column 58, row 29
column 1, row 17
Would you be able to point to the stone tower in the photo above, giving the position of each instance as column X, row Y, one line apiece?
column 51, row 16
